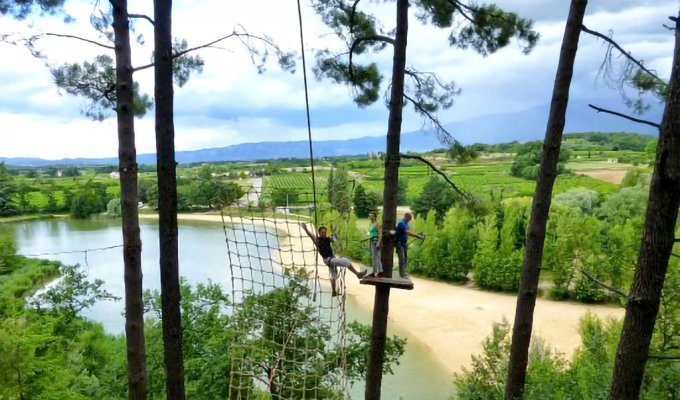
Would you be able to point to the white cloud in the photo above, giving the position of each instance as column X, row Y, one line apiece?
column 231, row 103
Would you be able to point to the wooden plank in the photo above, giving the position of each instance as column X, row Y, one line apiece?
column 397, row 283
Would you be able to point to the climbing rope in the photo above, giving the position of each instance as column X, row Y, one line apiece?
column 289, row 331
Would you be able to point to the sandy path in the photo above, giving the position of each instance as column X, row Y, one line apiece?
column 452, row 320
column 607, row 175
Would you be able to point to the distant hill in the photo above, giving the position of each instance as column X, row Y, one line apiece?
column 530, row 124
column 497, row 128
column 413, row 141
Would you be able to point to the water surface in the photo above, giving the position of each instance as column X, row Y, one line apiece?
column 203, row 257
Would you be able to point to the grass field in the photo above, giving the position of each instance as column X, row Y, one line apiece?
column 300, row 182
column 480, row 178
column 602, row 170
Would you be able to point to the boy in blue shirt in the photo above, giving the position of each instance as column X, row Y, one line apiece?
column 401, row 242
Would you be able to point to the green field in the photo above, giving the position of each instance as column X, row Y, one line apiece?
column 481, row 179
column 300, row 182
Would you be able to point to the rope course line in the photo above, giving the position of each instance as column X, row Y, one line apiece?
column 309, row 132
column 73, row 251
column 290, row 331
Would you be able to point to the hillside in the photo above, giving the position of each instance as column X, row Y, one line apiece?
column 520, row 126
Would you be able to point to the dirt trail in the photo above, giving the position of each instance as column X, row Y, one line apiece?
column 607, row 175
column 452, row 320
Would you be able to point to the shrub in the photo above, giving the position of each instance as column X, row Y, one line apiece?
column 113, row 208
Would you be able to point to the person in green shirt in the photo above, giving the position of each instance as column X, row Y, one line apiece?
column 375, row 237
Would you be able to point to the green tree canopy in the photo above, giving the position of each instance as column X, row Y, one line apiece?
column 339, row 190
column 436, row 196
column 7, row 192
column 528, row 159
column 88, row 200
column 364, row 202
column 462, row 154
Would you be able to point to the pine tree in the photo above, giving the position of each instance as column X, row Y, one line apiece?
column 485, row 28
column 548, row 170
column 361, row 202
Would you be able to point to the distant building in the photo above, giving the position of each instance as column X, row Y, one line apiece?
column 114, row 175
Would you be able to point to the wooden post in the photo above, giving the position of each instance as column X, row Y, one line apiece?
column 382, row 292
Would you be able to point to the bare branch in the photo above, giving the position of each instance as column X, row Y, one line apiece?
column 604, row 285
column 460, row 8
column 445, row 135
column 417, row 76
column 663, row 357
column 239, row 35
column 461, row 192
column 675, row 255
column 141, row 16
column 621, row 50
column 146, row 66
column 638, row 120
column 60, row 35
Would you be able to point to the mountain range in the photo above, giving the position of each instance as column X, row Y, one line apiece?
column 522, row 126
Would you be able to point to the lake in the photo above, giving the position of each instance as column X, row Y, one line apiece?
column 203, row 257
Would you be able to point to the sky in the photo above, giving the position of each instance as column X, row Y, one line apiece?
column 230, row 102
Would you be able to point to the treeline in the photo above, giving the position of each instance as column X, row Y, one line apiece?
column 587, row 375
column 580, row 141
column 202, row 188
column 48, row 351
column 586, row 234
column 608, row 141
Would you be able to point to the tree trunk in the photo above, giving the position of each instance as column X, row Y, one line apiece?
column 132, row 245
column 655, row 248
column 167, row 202
column 391, row 179
column 531, row 268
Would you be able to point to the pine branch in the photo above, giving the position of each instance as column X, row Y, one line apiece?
column 460, row 8
column 604, row 285
column 351, row 16
column 473, row 9
column 638, row 120
column 370, row 38
column 357, row 41
column 461, row 192
column 621, row 50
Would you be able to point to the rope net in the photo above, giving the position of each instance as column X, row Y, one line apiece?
column 290, row 332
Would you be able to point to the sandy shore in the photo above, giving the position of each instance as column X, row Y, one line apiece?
column 451, row 320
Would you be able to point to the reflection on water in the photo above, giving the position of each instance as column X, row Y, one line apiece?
column 204, row 256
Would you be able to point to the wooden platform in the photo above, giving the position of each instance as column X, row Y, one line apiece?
column 397, row 283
